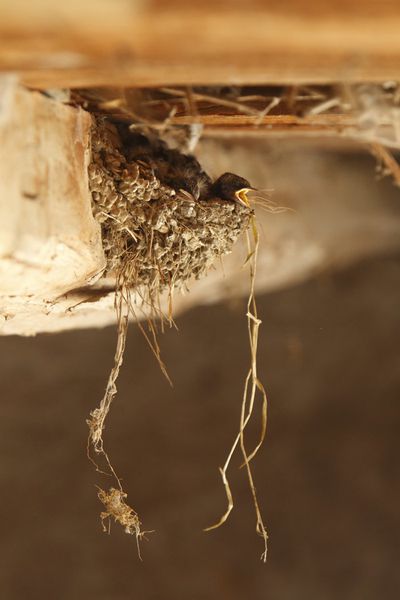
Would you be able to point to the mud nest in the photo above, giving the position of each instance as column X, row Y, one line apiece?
column 164, row 221
column 155, row 232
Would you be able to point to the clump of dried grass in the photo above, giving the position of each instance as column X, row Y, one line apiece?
column 252, row 387
column 116, row 508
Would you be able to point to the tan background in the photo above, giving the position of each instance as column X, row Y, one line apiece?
column 327, row 476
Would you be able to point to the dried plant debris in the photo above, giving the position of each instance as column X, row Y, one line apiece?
column 387, row 163
column 116, row 508
column 367, row 112
column 253, row 388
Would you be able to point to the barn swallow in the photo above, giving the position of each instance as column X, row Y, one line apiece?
column 233, row 188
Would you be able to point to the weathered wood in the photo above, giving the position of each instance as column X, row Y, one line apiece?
column 318, row 127
column 49, row 240
column 161, row 42
column 360, row 112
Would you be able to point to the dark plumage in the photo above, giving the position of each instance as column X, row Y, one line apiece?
column 232, row 187
column 171, row 167
column 183, row 171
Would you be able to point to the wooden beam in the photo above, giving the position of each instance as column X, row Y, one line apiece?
column 365, row 113
column 160, row 42
column 49, row 240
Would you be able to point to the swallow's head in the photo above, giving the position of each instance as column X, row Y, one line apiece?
column 232, row 187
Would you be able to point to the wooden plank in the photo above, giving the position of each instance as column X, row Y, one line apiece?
column 49, row 240
column 364, row 113
column 160, row 42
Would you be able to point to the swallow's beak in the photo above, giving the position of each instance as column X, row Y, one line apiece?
column 241, row 196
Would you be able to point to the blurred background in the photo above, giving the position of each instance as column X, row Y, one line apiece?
column 327, row 475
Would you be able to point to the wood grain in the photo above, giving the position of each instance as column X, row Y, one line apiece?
column 49, row 240
column 160, row 42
